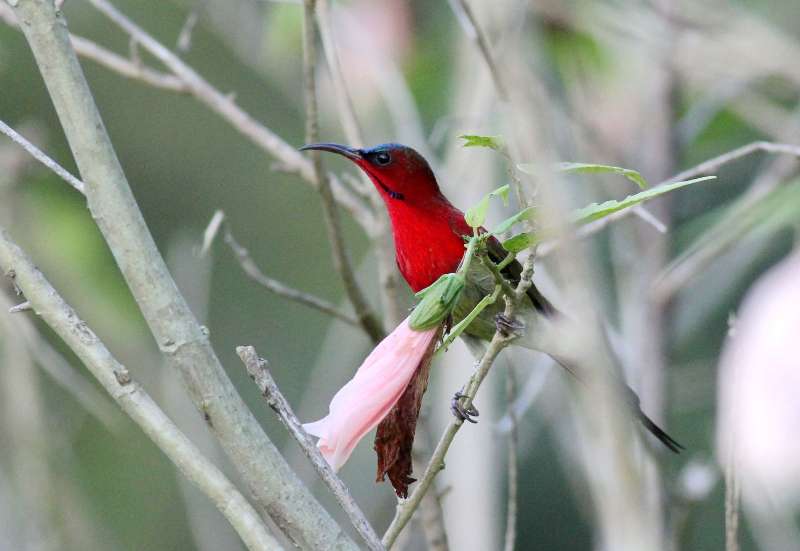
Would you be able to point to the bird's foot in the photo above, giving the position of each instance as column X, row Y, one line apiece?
column 508, row 327
column 460, row 412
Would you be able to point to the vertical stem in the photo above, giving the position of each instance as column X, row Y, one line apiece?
column 341, row 259
column 732, row 496
column 513, row 468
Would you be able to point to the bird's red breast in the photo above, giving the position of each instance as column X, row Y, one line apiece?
column 429, row 240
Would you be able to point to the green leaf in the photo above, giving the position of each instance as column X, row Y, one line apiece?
column 438, row 300
column 502, row 193
column 492, row 142
column 506, row 224
column 476, row 215
column 590, row 168
column 595, row 211
column 587, row 168
column 520, row 242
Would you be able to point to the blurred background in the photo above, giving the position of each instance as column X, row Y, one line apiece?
column 654, row 86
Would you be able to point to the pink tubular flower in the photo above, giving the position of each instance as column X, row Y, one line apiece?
column 373, row 391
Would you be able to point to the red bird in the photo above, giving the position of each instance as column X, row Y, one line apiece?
column 429, row 237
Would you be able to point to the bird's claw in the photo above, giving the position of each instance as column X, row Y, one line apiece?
column 508, row 326
column 460, row 412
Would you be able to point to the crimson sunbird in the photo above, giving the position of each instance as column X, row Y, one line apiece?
column 429, row 237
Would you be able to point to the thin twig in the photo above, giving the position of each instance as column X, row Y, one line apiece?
column 211, row 231
column 498, row 276
column 713, row 164
column 22, row 307
column 223, row 105
column 380, row 232
column 214, row 99
column 281, row 289
column 259, row 373
column 345, row 109
column 341, row 259
column 128, row 68
column 732, row 499
column 40, row 156
column 184, row 42
column 133, row 399
column 469, row 24
column 513, row 462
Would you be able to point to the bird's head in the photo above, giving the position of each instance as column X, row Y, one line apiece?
column 399, row 173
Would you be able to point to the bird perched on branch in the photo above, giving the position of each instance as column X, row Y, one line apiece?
column 429, row 236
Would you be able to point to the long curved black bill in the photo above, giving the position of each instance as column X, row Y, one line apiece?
column 349, row 152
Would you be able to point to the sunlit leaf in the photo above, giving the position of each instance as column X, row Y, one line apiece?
column 587, row 168
column 595, row 211
column 520, row 242
column 506, row 224
column 476, row 215
column 590, row 168
column 492, row 142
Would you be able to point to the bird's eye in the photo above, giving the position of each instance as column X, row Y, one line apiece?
column 383, row 158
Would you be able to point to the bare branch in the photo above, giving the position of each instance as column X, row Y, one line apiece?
column 211, row 231
column 214, row 99
column 281, row 289
column 23, row 307
column 713, row 164
column 344, row 103
column 732, row 501
column 182, row 340
column 116, row 379
column 128, row 68
column 184, row 43
column 341, row 260
column 223, row 105
column 474, row 32
column 40, row 156
column 259, row 373
column 512, row 462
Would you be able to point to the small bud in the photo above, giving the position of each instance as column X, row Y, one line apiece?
column 437, row 301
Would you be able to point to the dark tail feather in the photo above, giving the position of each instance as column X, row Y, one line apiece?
column 659, row 433
column 635, row 406
column 649, row 424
